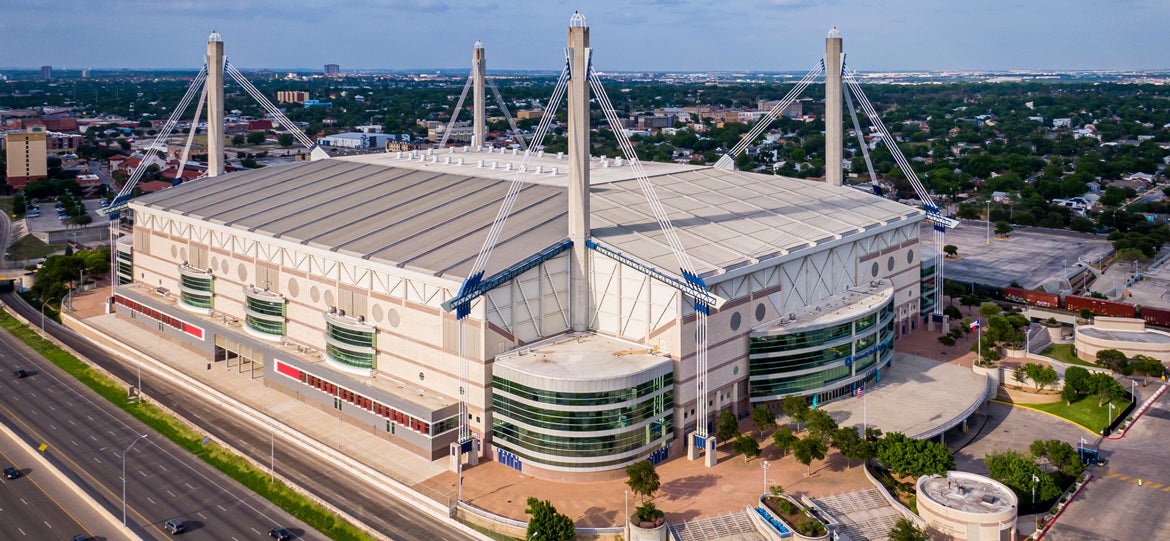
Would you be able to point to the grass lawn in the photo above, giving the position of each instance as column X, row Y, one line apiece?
column 1083, row 412
column 31, row 247
column 6, row 204
column 1064, row 353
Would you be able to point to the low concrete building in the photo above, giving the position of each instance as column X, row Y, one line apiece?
column 1127, row 335
column 967, row 506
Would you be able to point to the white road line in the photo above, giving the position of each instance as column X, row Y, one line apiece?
column 22, row 501
column 74, row 443
column 257, row 531
column 51, row 407
column 92, row 437
column 99, row 461
column 163, row 468
column 142, row 473
column 90, row 418
column 221, row 508
column 151, row 500
column 47, row 524
column 71, row 421
column 201, row 515
column 188, row 485
column 21, row 530
column 172, row 494
column 52, row 426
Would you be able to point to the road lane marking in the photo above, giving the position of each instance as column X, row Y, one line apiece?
column 22, row 501
column 171, row 493
column 21, row 530
column 221, row 508
column 1123, row 478
column 74, row 442
column 151, row 500
column 47, row 524
column 142, row 473
column 52, row 426
column 163, row 468
column 257, row 531
column 201, row 515
column 188, row 485
column 99, row 461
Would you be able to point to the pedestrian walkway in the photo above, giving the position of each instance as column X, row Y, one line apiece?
column 865, row 515
column 724, row 527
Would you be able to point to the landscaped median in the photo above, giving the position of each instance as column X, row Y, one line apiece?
column 220, row 458
column 1084, row 413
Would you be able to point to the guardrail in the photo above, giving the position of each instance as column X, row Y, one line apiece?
column 988, row 391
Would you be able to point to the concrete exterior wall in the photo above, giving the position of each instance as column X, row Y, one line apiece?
column 947, row 523
column 1088, row 346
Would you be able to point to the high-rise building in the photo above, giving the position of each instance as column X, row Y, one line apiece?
column 46, row 73
column 85, row 73
column 26, row 156
column 332, row 69
column 292, row 96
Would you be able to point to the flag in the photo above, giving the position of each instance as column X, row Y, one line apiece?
column 1035, row 479
column 861, row 390
column 974, row 325
column 878, row 375
column 814, row 405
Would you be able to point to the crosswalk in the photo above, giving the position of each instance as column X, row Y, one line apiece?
column 1145, row 483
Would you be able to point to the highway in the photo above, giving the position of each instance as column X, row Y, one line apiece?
column 355, row 496
column 86, row 437
column 39, row 504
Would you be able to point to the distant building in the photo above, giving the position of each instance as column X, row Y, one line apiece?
column 62, row 141
column 793, row 109
column 528, row 114
column 461, row 132
column 317, row 103
column 357, row 140
column 26, row 156
column 369, row 128
column 85, row 73
column 332, row 69
column 292, row 96
column 46, row 73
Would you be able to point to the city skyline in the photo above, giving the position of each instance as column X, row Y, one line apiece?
column 667, row 35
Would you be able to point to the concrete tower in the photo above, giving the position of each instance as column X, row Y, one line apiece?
column 214, row 88
column 833, row 134
column 578, row 52
column 479, row 123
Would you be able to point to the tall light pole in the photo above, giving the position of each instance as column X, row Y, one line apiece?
column 988, row 221
column 47, row 301
column 765, row 466
column 124, row 476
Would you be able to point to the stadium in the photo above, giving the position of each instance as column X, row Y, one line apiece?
column 327, row 279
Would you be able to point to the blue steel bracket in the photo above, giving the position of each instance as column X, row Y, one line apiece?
column 693, row 284
column 476, row 285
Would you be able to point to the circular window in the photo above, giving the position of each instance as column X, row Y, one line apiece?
column 735, row 371
column 376, row 312
column 875, row 269
column 421, row 376
column 393, row 318
column 315, row 294
column 242, row 271
column 736, row 320
column 223, row 266
column 294, row 289
column 910, row 256
column 760, row 312
column 214, row 262
column 329, row 297
column 174, row 251
column 890, row 263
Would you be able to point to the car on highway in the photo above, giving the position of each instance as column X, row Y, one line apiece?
column 80, row 537
column 11, row 472
column 20, row 373
column 175, row 526
column 280, row 534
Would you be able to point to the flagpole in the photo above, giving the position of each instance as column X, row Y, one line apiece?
column 979, row 340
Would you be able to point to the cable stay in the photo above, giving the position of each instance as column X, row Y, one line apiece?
column 703, row 299
column 190, row 137
column 507, row 114
column 119, row 201
column 727, row 161
column 877, row 189
column 315, row 152
column 458, row 107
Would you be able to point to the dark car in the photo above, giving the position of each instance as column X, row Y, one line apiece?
column 280, row 534
column 11, row 472
column 80, row 537
column 175, row 526
column 20, row 373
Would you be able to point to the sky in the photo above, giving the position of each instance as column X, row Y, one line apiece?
column 626, row 35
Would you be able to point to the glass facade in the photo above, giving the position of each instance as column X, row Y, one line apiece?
column 265, row 312
column 196, row 289
column 819, row 360
column 597, row 430
column 125, row 269
column 929, row 275
column 350, row 342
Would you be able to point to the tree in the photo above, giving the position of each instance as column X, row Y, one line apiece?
column 951, row 250
column 989, row 309
column 1017, row 472
column 546, row 523
column 256, row 138
column 952, row 312
column 808, row 449
column 820, row 424
column 906, row 530
column 1112, row 359
column 763, row 419
column 643, row 479
column 1044, row 377
column 851, row 445
column 285, row 140
column 746, row 445
column 1002, row 228
column 905, row 456
column 795, row 407
column 784, row 439
column 1060, row 454
column 239, row 139
column 726, row 426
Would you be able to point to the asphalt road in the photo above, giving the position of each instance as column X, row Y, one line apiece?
column 38, row 505
column 355, row 496
column 1113, row 506
column 86, row 437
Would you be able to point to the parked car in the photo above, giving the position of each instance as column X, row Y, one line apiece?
column 175, row 526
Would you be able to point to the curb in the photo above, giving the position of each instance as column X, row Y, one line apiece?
column 1040, row 535
column 1141, row 411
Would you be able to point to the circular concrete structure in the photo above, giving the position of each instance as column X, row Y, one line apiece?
column 1127, row 335
column 966, row 506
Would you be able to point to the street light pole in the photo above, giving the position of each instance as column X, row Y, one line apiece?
column 124, row 476
column 47, row 301
column 765, row 466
